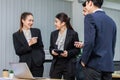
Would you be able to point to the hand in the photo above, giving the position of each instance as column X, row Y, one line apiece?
column 32, row 41
column 65, row 54
column 82, row 64
column 78, row 44
column 54, row 53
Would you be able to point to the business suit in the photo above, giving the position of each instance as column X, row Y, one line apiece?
column 99, row 45
column 33, row 55
column 66, row 64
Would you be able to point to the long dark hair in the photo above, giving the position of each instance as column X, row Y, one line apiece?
column 64, row 18
column 23, row 17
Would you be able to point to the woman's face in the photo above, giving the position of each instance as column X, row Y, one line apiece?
column 58, row 24
column 28, row 22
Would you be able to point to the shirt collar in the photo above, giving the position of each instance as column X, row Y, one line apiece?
column 98, row 10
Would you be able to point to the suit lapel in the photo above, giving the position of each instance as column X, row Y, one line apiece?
column 22, row 38
column 68, row 35
column 56, row 36
column 100, row 12
column 32, row 33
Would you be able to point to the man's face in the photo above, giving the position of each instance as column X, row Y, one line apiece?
column 89, row 6
column 85, row 12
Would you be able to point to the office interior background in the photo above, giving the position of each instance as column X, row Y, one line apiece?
column 44, row 12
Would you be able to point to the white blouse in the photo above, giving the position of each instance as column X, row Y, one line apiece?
column 61, row 40
column 27, row 34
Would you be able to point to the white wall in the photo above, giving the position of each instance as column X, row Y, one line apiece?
column 78, row 19
column 112, row 9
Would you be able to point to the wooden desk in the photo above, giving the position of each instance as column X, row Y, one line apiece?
column 38, row 79
column 30, row 79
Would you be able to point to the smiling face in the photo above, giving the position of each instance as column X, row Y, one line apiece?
column 28, row 22
column 58, row 24
column 85, row 11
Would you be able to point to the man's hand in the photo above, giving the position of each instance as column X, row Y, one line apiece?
column 82, row 64
column 78, row 44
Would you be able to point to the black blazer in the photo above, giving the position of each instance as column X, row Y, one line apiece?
column 71, row 37
column 28, row 53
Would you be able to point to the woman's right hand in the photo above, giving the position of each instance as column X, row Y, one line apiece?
column 54, row 53
column 32, row 41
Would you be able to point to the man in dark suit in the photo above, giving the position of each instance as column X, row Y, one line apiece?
column 99, row 43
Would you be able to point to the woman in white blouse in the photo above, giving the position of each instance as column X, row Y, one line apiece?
column 62, row 48
column 29, row 46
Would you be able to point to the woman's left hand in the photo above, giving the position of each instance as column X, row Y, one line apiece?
column 65, row 54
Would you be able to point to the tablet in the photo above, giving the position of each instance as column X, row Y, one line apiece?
column 58, row 51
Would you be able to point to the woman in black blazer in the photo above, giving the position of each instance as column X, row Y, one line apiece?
column 62, row 39
column 29, row 46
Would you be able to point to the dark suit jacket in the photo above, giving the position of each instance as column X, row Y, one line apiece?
column 71, row 37
column 100, row 39
column 28, row 53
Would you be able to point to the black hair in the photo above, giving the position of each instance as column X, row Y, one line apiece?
column 64, row 18
column 84, row 4
column 97, row 3
column 23, row 17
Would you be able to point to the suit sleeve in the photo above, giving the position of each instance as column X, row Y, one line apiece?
column 20, row 49
column 51, row 44
column 114, row 39
column 89, row 38
column 40, row 42
column 74, row 51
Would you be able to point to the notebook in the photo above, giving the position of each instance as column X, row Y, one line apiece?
column 22, row 71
